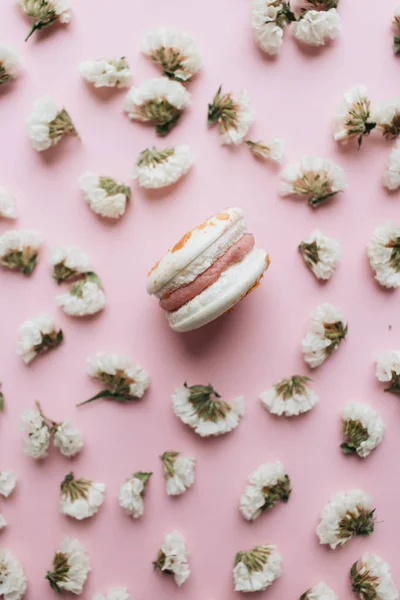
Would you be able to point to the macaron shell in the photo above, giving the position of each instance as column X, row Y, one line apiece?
column 193, row 243
column 233, row 285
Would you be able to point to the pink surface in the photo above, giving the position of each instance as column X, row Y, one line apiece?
column 245, row 352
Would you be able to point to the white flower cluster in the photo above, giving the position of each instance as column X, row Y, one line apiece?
column 256, row 569
column 114, row 594
column 12, row 577
column 319, row 592
column 363, row 429
column 346, row 515
column 234, row 115
column 71, row 567
column 176, row 52
column 8, row 481
column 105, row 196
column 384, row 254
column 81, row 498
column 107, row 72
column 317, row 27
column 290, row 397
column 371, row 575
column 172, row 558
column 85, row 297
column 200, row 407
column 159, row 100
column 391, row 176
column 388, row 370
column 268, row 21
column 8, row 206
column 10, row 64
column 314, row 178
column 321, row 254
column 179, row 472
column 386, row 116
column 48, row 124
column 123, row 381
column 68, row 262
column 19, row 249
column 36, row 336
column 326, row 332
column 159, row 168
column 131, row 494
column 44, row 13
column 267, row 486
column 273, row 150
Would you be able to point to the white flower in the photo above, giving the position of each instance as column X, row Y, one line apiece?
column 386, row 115
column 107, row 72
column 289, row 397
column 131, row 494
column 68, row 439
column 268, row 484
column 10, row 64
column 316, row 27
column 319, row 592
column 81, row 498
column 159, row 100
column 86, row 297
column 326, row 332
column 384, row 254
column 172, row 558
column 315, row 178
column 179, row 472
column 353, row 118
column 256, row 569
column 8, row 207
column 43, row 13
column 363, row 429
column 12, row 577
column 371, row 575
column 123, row 381
column 8, row 481
column 176, row 52
column 114, row 594
column 269, row 18
column 37, row 434
column 38, row 335
column 3, row 524
column 391, row 177
column 68, row 262
column 47, row 124
column 105, row 196
column 346, row 515
column 19, row 249
column 234, row 115
column 71, row 566
column 273, row 150
column 321, row 254
column 388, row 370
column 200, row 407
column 160, row 168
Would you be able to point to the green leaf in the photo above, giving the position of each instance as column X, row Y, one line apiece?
column 1, row 402
column 348, row 448
column 396, row 44
column 353, row 570
column 107, row 394
column 53, row 584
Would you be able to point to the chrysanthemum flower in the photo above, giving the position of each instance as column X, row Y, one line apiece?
column 273, row 150
column 321, row 254
column 114, row 594
column 131, row 494
column 67, row 438
column 123, row 381
column 384, row 254
column 48, row 124
column 290, row 397
column 179, row 472
column 86, row 297
column 172, row 558
column 388, row 370
column 19, row 249
column 44, row 13
column 319, row 592
column 267, row 486
column 234, row 115
column 317, row 27
column 317, row 179
column 105, row 196
column 8, row 481
column 201, row 407
column 371, row 579
column 176, row 52
column 391, row 176
column 10, row 64
column 13, row 582
column 256, row 569
column 160, row 168
column 81, row 498
column 160, row 101
column 396, row 27
column 327, row 330
column 353, row 118
column 346, row 515
column 386, row 115
column 68, row 263
column 71, row 567
column 269, row 19
column 107, row 72
column 8, row 207
column 362, row 428
column 36, row 336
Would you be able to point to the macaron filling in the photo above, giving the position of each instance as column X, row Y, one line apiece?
column 233, row 255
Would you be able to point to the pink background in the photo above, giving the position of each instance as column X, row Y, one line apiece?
column 245, row 352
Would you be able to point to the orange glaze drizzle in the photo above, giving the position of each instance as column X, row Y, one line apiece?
column 182, row 241
column 222, row 216
column 153, row 268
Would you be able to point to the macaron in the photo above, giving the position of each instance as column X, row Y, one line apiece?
column 209, row 270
